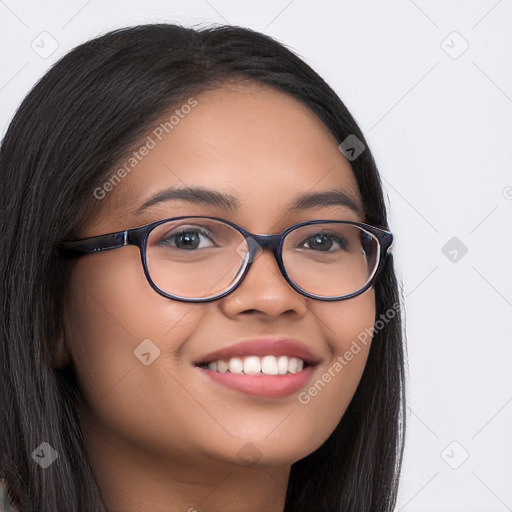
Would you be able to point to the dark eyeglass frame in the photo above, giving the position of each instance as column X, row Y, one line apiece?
column 139, row 237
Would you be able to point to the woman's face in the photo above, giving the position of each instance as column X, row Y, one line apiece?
column 265, row 150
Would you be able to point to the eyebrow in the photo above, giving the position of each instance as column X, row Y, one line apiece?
column 204, row 196
column 325, row 199
column 194, row 195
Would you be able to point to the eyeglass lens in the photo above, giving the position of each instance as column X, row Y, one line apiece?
column 201, row 258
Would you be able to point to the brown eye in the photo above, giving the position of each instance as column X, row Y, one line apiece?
column 188, row 239
column 325, row 242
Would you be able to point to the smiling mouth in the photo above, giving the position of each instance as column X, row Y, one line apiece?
column 256, row 365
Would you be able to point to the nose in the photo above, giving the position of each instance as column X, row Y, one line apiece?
column 265, row 292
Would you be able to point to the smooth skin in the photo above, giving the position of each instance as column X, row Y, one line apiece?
column 164, row 437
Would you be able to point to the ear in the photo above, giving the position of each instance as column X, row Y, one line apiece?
column 60, row 353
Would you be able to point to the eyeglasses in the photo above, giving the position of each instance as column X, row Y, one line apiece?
column 200, row 259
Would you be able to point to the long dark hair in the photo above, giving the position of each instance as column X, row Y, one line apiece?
column 80, row 119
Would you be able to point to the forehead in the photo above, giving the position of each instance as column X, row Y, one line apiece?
column 249, row 141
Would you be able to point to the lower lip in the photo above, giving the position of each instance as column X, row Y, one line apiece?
column 272, row 386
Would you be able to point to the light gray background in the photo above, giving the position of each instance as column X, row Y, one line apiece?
column 437, row 118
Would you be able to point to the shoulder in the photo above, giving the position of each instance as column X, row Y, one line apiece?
column 5, row 502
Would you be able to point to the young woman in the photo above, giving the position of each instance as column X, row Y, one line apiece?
column 199, row 306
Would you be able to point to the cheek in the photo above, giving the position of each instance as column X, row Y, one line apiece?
column 347, row 320
column 117, row 324
column 347, row 327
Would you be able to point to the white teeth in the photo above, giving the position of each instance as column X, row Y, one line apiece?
column 269, row 365
column 222, row 366
column 292, row 365
column 235, row 365
column 253, row 365
column 282, row 365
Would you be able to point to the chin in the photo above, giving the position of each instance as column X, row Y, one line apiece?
column 281, row 450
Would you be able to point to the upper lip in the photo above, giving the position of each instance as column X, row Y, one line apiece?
column 263, row 347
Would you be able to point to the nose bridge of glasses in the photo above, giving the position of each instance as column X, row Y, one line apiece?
column 257, row 243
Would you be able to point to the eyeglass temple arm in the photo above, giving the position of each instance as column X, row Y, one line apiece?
column 94, row 244
column 389, row 241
